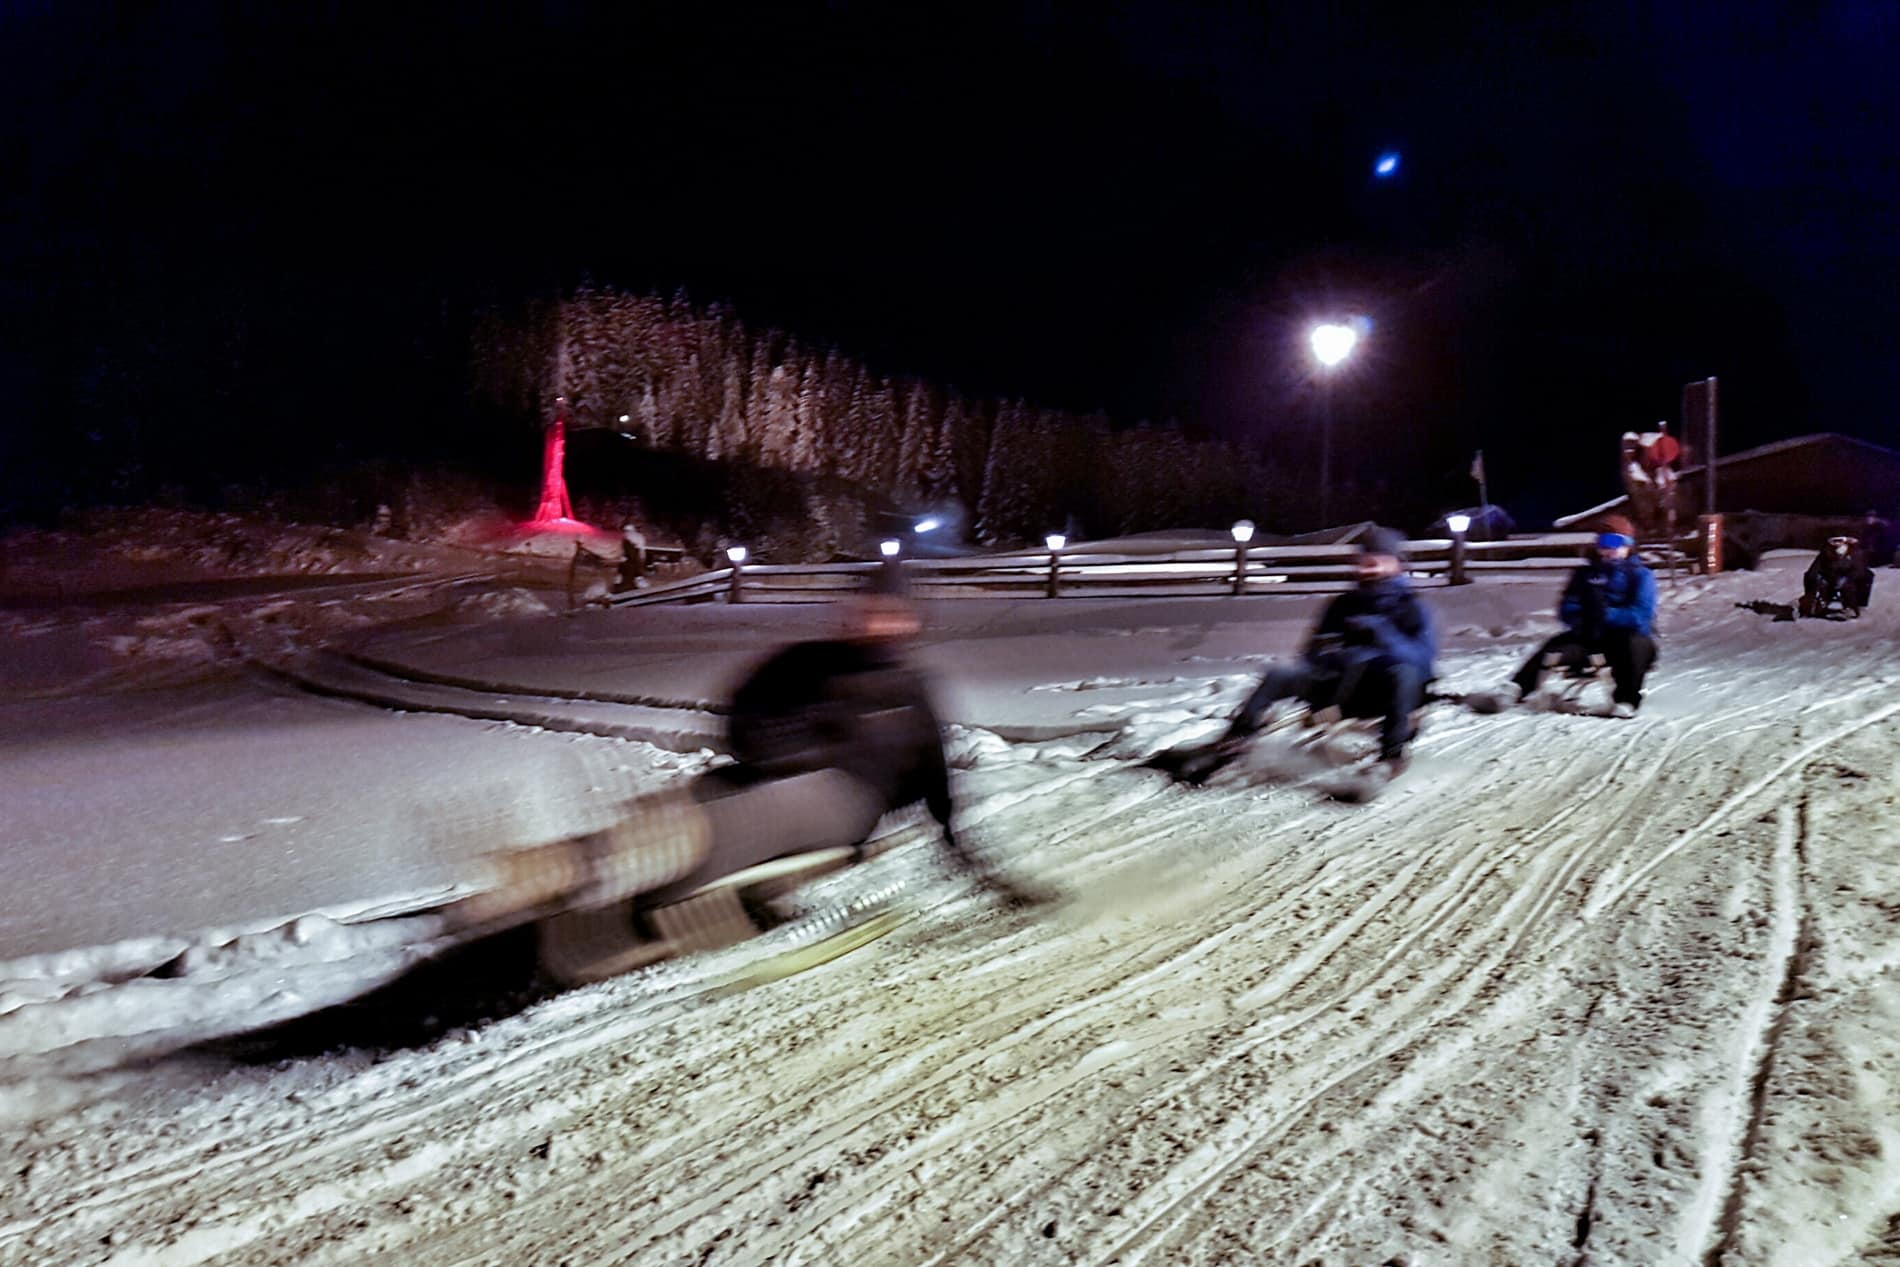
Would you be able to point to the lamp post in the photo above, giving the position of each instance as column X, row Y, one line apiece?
column 736, row 555
column 1243, row 533
column 1055, row 541
column 1332, row 342
column 1459, row 525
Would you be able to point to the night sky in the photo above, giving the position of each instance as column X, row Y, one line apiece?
column 1135, row 207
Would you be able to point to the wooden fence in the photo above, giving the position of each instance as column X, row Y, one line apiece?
column 1127, row 571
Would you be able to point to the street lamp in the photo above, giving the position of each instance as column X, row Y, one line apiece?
column 929, row 523
column 1332, row 342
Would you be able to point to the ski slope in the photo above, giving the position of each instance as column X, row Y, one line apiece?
column 1573, row 990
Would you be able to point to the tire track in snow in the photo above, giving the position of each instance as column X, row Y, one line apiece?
column 1424, row 1032
column 1793, row 940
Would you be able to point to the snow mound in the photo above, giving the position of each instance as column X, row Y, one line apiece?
column 504, row 602
column 86, row 1010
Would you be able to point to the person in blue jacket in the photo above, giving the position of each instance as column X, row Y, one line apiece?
column 1608, row 609
column 1371, row 655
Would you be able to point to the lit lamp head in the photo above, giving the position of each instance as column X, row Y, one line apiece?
column 889, row 547
column 1459, row 524
column 929, row 523
column 1055, row 541
column 736, row 553
column 1332, row 343
column 1243, row 531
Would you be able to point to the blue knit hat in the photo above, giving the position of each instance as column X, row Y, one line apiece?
column 1378, row 540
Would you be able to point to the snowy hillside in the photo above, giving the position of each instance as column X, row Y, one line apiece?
column 1574, row 990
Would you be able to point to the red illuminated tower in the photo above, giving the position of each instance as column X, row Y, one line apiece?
column 555, row 506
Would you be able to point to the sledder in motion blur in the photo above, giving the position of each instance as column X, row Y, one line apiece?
column 1370, row 657
column 828, row 737
column 1838, row 580
column 1608, row 610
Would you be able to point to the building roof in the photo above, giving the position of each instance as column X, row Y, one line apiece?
column 1823, row 473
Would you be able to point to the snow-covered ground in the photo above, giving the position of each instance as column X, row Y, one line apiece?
column 1574, row 990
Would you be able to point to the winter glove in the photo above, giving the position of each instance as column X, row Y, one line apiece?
column 1362, row 631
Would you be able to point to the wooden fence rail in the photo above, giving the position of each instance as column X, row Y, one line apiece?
column 1130, row 571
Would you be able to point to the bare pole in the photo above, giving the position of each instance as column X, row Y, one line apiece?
column 1326, row 452
column 1708, row 453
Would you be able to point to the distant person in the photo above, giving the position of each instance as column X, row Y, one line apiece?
column 1370, row 655
column 1839, row 574
column 1608, row 609
column 1876, row 541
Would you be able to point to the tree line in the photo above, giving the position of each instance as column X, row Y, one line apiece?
column 701, row 382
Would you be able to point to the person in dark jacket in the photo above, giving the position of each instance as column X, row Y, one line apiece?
column 1840, row 574
column 1876, row 540
column 1370, row 655
column 828, row 737
column 1608, row 609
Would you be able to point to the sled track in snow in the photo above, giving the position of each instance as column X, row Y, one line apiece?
column 1272, row 1031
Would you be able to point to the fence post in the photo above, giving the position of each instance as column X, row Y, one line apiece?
column 1711, row 526
column 1458, row 524
column 1243, row 533
column 736, row 556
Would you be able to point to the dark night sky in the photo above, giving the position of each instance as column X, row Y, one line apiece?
column 1131, row 206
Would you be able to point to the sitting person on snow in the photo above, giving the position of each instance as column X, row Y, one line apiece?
column 1370, row 656
column 1607, row 609
column 830, row 736
column 1838, row 574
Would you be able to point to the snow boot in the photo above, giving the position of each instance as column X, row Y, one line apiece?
column 1362, row 785
column 1495, row 701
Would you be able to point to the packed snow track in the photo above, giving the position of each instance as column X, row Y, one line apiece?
column 1574, row 990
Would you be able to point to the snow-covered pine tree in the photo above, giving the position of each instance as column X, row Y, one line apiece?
column 757, row 380
column 973, row 449
column 839, row 455
column 937, row 479
column 779, row 417
column 729, row 441
column 916, row 438
column 808, row 435
column 882, row 428
column 999, row 509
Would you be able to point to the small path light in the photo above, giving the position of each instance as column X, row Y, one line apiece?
column 737, row 556
column 1055, row 541
column 1459, row 525
column 1243, row 533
